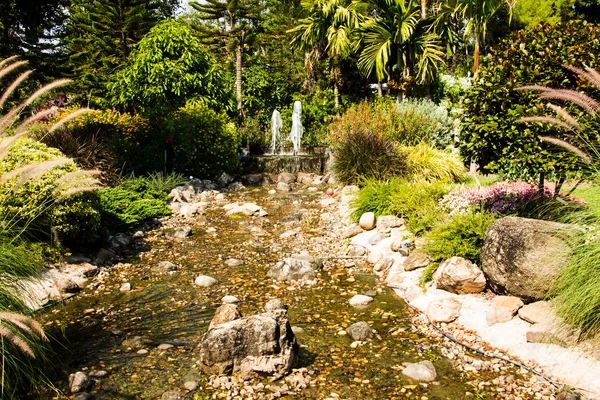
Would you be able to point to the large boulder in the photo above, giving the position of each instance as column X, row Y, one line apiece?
column 258, row 346
column 459, row 275
column 522, row 257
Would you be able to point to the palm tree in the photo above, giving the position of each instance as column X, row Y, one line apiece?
column 328, row 29
column 477, row 14
column 232, row 21
column 397, row 37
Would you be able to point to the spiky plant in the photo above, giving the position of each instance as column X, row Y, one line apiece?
column 21, row 337
column 574, row 141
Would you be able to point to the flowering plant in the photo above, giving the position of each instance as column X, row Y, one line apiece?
column 501, row 197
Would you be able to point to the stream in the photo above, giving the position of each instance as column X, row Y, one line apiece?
column 167, row 308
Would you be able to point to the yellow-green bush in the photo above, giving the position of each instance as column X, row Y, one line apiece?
column 426, row 162
column 32, row 205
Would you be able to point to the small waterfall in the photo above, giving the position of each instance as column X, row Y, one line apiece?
column 276, row 125
column 297, row 129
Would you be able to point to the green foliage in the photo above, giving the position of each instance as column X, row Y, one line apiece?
column 489, row 134
column 576, row 291
column 414, row 201
column 317, row 111
column 168, row 69
column 204, row 142
column 101, row 34
column 409, row 123
column 165, row 182
column 130, row 203
column 18, row 259
column 461, row 235
column 534, row 12
column 427, row 163
column 77, row 221
column 363, row 154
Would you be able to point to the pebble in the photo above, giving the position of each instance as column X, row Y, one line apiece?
column 190, row 385
column 205, row 281
column 164, row 346
column 142, row 351
column 233, row 262
column 230, row 299
column 360, row 300
column 126, row 287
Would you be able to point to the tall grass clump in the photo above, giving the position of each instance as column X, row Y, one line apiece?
column 163, row 182
column 366, row 155
column 428, row 163
column 414, row 201
column 22, row 340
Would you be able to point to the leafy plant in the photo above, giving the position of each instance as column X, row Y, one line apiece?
column 461, row 235
column 425, row 162
column 133, row 201
column 163, row 182
column 489, row 135
column 414, row 201
column 364, row 155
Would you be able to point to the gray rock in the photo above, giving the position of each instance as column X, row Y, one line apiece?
column 352, row 231
column 78, row 382
column 235, row 186
column 459, row 275
column 416, row 260
column 230, row 299
column 165, row 266
column 190, row 385
column 367, row 221
column 225, row 313
column 360, row 300
column 383, row 265
column 205, row 281
column 258, row 346
column 423, row 371
column 104, row 256
column 386, row 223
column 360, row 331
column 225, row 179
column 522, row 257
column 292, row 269
column 165, row 346
column 77, row 259
column 233, row 262
column 503, row 309
column 286, row 177
column 98, row 374
column 138, row 235
column 539, row 311
column 275, row 304
column 118, row 242
column 173, row 395
column 283, row 187
column 444, row 310
column 181, row 232
column 253, row 179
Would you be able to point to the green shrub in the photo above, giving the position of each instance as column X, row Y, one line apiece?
column 408, row 123
column 489, row 134
column 132, row 202
column 461, row 235
column 32, row 205
column 414, row 201
column 204, row 142
column 365, row 155
column 165, row 182
column 428, row 163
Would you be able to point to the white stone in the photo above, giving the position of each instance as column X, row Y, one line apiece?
column 458, row 275
column 423, row 371
column 444, row 310
column 126, row 287
column 205, row 281
column 367, row 221
column 230, row 299
column 360, row 300
column 503, row 309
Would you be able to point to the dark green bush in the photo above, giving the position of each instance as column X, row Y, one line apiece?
column 204, row 142
column 132, row 202
column 489, row 134
column 365, row 155
column 414, row 201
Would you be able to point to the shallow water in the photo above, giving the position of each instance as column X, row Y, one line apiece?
column 170, row 309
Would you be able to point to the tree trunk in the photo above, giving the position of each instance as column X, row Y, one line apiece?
column 423, row 9
column 476, row 56
column 238, row 76
column 336, row 96
column 379, row 89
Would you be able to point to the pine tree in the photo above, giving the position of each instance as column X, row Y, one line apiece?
column 229, row 21
column 102, row 33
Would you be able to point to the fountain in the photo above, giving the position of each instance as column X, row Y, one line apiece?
column 282, row 157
